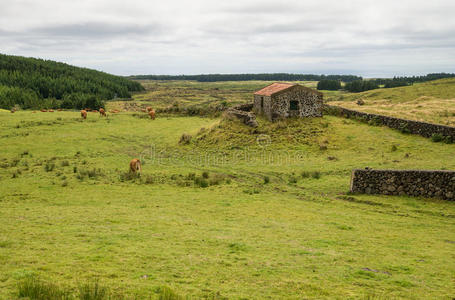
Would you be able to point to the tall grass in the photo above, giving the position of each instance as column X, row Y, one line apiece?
column 35, row 289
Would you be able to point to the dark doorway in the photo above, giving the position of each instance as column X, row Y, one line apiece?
column 294, row 105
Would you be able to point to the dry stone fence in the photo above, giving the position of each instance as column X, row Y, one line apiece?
column 409, row 126
column 424, row 183
column 243, row 113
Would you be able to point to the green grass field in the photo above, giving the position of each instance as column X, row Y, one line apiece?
column 192, row 94
column 432, row 101
column 235, row 213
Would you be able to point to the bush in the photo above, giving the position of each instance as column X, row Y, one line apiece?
column 185, row 139
column 305, row 174
column 127, row 176
column 316, row 175
column 266, row 179
column 149, row 179
column 201, row 182
column 393, row 148
column 293, row 180
column 205, row 174
column 436, row 137
column 49, row 166
column 65, row 163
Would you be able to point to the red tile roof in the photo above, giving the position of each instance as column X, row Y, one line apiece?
column 274, row 88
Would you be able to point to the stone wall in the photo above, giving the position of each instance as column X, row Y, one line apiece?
column 438, row 184
column 243, row 113
column 266, row 108
column 408, row 126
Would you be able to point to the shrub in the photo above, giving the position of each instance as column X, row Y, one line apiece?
column 305, row 174
column 93, row 174
column 448, row 140
column 201, row 182
column 292, row 180
column 316, row 175
column 205, row 174
column 436, row 137
column 185, row 139
column 49, row 166
column 393, row 148
column 127, row 176
column 266, row 179
column 149, row 179
column 65, row 163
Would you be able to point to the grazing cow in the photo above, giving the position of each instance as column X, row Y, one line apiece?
column 88, row 109
column 83, row 114
column 149, row 108
column 51, row 110
column 135, row 166
column 59, row 109
column 102, row 112
column 43, row 110
column 152, row 114
column 143, row 110
column 13, row 110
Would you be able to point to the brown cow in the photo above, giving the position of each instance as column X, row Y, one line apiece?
column 59, row 109
column 152, row 114
column 143, row 110
column 83, row 114
column 135, row 166
column 43, row 110
column 149, row 108
column 51, row 110
column 102, row 112
column 13, row 110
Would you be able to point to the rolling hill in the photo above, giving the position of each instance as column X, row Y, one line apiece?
column 37, row 83
column 432, row 101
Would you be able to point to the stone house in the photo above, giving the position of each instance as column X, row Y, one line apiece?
column 284, row 100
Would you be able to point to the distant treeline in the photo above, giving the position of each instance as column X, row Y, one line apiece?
column 246, row 77
column 371, row 84
column 35, row 83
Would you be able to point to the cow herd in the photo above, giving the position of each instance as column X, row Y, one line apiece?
column 135, row 164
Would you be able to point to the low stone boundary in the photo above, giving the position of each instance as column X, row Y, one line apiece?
column 243, row 112
column 424, row 183
column 424, row 129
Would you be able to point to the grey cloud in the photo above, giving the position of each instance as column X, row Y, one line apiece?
column 96, row 30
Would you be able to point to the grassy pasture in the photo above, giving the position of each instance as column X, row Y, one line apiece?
column 235, row 213
column 185, row 94
column 432, row 101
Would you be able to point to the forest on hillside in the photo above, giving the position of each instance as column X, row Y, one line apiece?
column 32, row 83
column 247, row 77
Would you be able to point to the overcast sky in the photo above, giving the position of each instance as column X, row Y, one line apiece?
column 368, row 38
